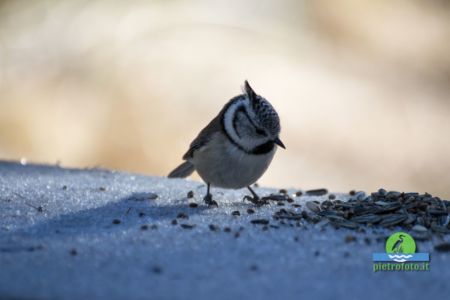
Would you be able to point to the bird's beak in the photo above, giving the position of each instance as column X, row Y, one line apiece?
column 279, row 143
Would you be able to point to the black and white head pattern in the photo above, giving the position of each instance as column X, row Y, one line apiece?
column 251, row 122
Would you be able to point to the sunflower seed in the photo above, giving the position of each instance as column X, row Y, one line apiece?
column 317, row 192
column 368, row 218
column 313, row 206
column 419, row 228
column 187, row 226
column 345, row 224
column 260, row 221
column 443, row 247
column 391, row 220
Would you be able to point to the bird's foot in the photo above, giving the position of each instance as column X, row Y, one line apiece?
column 256, row 200
column 209, row 201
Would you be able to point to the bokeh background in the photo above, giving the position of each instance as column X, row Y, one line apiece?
column 362, row 87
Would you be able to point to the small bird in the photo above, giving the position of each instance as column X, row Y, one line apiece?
column 235, row 149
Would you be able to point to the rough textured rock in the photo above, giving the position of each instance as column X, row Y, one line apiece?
column 68, row 233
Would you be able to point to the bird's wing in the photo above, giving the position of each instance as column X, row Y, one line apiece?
column 204, row 137
column 208, row 132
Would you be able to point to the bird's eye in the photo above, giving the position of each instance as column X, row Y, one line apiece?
column 259, row 131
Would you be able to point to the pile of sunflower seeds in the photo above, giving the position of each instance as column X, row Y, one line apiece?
column 422, row 214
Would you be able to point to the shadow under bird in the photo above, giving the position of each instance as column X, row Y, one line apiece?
column 235, row 149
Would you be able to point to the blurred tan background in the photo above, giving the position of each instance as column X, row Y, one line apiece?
column 362, row 87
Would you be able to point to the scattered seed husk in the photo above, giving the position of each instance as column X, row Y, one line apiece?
column 368, row 218
column 313, row 206
column 382, row 192
column 419, row 228
column 393, row 195
column 442, row 247
column 287, row 214
column 410, row 220
column 236, row 213
column 213, row 227
column 313, row 218
column 393, row 219
column 317, row 192
column 345, row 224
column 421, row 236
column 250, row 211
column 182, row 215
column 381, row 208
column 187, row 226
column 332, row 216
column 437, row 212
column 275, row 197
column 144, row 196
column 439, row 229
column 260, row 221
column 116, row 221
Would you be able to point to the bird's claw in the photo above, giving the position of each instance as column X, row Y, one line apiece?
column 209, row 201
column 256, row 200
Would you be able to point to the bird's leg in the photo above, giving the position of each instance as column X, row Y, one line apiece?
column 255, row 199
column 208, row 198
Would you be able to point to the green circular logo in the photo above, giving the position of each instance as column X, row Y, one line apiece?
column 400, row 242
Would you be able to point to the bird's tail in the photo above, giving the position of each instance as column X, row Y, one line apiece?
column 183, row 170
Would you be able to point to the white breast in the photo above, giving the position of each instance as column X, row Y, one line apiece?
column 222, row 164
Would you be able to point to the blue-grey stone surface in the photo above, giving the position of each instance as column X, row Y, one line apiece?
column 58, row 240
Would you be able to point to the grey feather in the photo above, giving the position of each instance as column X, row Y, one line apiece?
column 183, row 170
column 204, row 136
column 207, row 133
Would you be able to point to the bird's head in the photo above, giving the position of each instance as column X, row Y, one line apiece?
column 266, row 121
